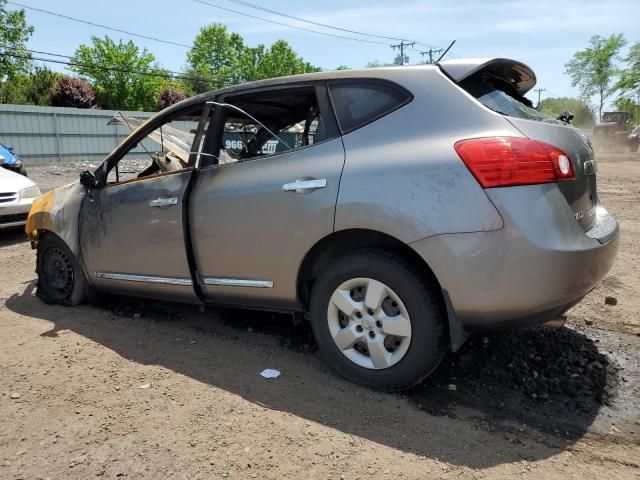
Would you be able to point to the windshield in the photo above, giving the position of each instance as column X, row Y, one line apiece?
column 169, row 138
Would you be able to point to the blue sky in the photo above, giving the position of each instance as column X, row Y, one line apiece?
column 543, row 33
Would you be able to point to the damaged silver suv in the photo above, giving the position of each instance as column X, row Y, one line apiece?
column 397, row 209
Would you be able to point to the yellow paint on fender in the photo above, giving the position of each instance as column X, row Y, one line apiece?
column 40, row 215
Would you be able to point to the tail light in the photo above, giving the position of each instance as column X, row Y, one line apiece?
column 509, row 161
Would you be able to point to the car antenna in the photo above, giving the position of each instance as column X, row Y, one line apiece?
column 131, row 128
column 445, row 52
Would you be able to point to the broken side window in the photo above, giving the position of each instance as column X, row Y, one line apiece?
column 270, row 123
column 168, row 148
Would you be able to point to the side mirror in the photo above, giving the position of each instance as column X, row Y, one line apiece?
column 10, row 149
column 88, row 179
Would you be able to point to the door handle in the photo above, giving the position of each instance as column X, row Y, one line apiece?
column 305, row 185
column 164, row 202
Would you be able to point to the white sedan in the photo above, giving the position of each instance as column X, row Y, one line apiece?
column 16, row 195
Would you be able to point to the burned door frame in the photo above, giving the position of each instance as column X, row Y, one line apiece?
column 151, row 210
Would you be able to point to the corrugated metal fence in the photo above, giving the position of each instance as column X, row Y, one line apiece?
column 53, row 134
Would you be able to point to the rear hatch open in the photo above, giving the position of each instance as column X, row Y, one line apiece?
column 500, row 85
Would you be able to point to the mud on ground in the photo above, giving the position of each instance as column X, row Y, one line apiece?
column 143, row 389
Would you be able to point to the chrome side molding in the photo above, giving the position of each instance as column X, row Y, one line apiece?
column 237, row 282
column 144, row 278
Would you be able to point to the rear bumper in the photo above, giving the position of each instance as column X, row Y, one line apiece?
column 531, row 271
column 14, row 214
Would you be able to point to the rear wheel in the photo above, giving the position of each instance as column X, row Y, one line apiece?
column 378, row 321
column 60, row 278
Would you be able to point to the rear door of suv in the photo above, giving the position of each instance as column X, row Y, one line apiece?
column 267, row 195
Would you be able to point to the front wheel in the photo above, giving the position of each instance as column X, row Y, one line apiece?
column 60, row 278
column 378, row 321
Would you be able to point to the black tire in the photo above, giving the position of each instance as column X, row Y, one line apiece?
column 60, row 279
column 23, row 171
column 423, row 302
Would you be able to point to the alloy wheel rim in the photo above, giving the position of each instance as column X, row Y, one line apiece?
column 369, row 323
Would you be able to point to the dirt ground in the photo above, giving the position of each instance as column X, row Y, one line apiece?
column 140, row 389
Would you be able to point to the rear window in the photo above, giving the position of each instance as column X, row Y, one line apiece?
column 496, row 94
column 358, row 104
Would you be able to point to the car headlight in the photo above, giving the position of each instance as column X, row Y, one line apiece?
column 30, row 192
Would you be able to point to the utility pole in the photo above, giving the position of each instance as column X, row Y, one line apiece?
column 431, row 52
column 402, row 46
column 539, row 90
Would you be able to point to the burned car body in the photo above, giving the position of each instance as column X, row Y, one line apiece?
column 398, row 208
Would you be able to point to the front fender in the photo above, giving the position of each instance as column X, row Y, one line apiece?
column 57, row 211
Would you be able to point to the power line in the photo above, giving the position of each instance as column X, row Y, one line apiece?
column 289, row 25
column 325, row 25
column 250, row 5
column 87, row 22
column 305, row 20
column 169, row 42
column 157, row 73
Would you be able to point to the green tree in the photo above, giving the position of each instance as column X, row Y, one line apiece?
column 280, row 60
column 583, row 114
column 631, row 105
column 39, row 86
column 219, row 57
column 122, row 75
column 192, row 83
column 14, row 57
column 14, row 89
column 378, row 64
column 251, row 61
column 31, row 89
column 629, row 83
column 594, row 69
column 216, row 55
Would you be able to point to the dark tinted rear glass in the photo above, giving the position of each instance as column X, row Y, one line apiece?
column 357, row 104
column 498, row 95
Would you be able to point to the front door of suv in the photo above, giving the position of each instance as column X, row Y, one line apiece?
column 269, row 195
column 131, row 226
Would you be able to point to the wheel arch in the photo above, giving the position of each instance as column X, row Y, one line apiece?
column 57, row 212
column 337, row 243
